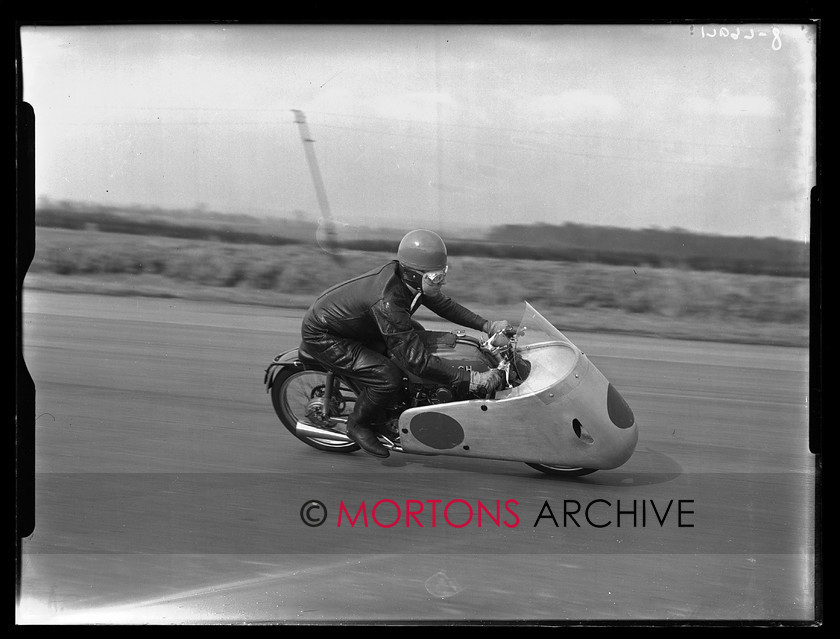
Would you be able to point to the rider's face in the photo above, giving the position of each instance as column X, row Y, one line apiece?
column 433, row 281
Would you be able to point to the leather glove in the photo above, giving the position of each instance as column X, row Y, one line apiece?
column 491, row 328
column 486, row 382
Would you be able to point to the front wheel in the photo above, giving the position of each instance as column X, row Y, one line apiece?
column 298, row 396
column 564, row 471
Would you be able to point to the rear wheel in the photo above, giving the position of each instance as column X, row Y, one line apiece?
column 565, row 471
column 299, row 396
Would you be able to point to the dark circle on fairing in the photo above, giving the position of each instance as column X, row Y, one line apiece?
column 618, row 409
column 436, row 430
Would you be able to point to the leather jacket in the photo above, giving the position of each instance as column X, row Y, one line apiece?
column 377, row 306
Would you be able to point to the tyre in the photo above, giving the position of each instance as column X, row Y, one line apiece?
column 564, row 471
column 298, row 395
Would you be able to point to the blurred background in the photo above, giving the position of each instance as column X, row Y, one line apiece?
column 653, row 179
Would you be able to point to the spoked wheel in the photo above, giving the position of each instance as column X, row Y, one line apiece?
column 299, row 396
column 565, row 471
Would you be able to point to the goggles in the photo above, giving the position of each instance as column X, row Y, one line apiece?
column 437, row 277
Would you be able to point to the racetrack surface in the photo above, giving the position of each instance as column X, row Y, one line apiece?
column 167, row 490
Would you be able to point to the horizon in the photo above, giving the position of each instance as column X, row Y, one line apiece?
column 294, row 217
column 630, row 126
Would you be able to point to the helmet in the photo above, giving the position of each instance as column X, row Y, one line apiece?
column 422, row 250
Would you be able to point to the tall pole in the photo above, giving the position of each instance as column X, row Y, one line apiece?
column 320, row 191
column 309, row 149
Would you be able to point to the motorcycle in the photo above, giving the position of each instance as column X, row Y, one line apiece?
column 557, row 412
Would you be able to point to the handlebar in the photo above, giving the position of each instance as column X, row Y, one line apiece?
column 503, row 345
column 503, row 337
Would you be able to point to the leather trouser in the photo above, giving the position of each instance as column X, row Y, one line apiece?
column 378, row 379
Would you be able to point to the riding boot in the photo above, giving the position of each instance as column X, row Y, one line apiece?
column 359, row 430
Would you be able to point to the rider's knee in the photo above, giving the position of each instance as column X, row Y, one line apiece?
column 392, row 378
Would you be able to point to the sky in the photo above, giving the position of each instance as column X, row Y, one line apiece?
column 704, row 127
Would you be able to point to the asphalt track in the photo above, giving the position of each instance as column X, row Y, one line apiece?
column 168, row 492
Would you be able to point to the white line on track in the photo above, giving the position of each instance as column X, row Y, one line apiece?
column 246, row 583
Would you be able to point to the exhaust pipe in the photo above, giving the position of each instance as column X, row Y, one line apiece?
column 305, row 430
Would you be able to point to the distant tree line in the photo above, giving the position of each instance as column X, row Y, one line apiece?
column 140, row 225
column 674, row 248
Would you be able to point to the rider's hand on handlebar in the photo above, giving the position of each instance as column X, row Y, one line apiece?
column 487, row 382
column 499, row 340
column 497, row 326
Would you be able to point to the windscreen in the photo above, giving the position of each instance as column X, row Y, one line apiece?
column 549, row 355
column 534, row 329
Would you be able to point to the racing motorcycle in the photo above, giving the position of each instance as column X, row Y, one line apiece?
column 557, row 413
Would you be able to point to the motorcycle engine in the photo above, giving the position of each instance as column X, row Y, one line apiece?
column 441, row 395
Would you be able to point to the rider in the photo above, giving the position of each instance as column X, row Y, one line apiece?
column 362, row 328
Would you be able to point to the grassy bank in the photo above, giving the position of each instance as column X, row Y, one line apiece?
column 651, row 301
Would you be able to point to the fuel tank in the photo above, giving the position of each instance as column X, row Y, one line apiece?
column 462, row 350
